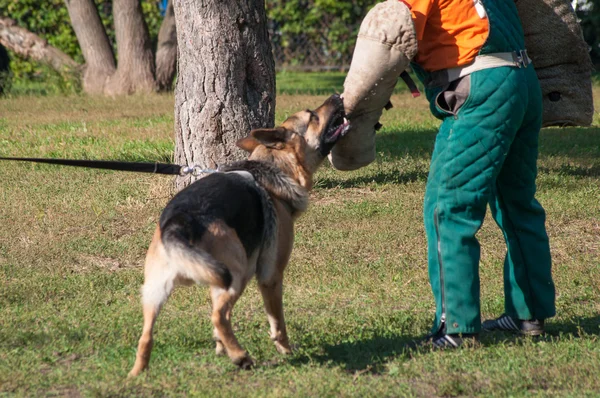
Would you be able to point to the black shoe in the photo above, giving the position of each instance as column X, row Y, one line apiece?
column 505, row 323
column 441, row 340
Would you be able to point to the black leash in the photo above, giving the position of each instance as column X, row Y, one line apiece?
column 161, row 168
column 139, row 167
column 412, row 86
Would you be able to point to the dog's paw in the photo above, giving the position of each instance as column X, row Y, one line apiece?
column 284, row 349
column 133, row 374
column 220, row 349
column 244, row 362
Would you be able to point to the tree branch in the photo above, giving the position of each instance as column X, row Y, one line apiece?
column 30, row 46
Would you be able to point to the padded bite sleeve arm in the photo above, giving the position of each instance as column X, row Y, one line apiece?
column 386, row 43
column 561, row 60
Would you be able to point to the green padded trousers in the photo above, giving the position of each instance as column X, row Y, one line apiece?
column 486, row 153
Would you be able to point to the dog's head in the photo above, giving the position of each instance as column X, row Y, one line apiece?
column 302, row 142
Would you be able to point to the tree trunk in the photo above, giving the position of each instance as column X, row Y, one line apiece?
column 166, row 51
column 135, row 71
column 30, row 46
column 225, row 81
column 4, row 69
column 94, row 43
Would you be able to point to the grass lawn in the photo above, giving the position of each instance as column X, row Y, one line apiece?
column 72, row 243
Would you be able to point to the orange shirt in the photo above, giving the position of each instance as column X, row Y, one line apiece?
column 449, row 32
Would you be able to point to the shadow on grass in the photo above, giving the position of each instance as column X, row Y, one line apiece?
column 370, row 355
column 573, row 171
column 381, row 177
column 575, row 326
column 418, row 145
column 364, row 356
column 581, row 142
column 555, row 332
column 413, row 143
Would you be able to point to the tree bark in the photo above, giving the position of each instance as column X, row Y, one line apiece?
column 4, row 69
column 166, row 51
column 30, row 46
column 225, row 80
column 135, row 71
column 94, row 43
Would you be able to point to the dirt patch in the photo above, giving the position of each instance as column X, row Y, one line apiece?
column 88, row 262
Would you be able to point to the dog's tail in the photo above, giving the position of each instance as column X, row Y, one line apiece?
column 176, row 234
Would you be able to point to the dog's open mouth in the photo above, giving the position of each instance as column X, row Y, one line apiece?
column 338, row 127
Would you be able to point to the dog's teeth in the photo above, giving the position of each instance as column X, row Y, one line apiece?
column 345, row 120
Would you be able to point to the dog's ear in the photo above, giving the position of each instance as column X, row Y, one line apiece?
column 248, row 144
column 272, row 138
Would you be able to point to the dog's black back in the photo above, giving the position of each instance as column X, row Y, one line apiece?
column 229, row 197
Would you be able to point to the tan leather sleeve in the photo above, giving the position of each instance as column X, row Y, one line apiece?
column 555, row 44
column 386, row 43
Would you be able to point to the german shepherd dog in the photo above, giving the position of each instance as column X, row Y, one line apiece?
column 237, row 223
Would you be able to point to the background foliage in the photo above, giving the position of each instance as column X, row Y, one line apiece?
column 315, row 32
column 589, row 14
column 305, row 34
column 50, row 19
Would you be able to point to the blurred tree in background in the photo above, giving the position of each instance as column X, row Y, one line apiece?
column 305, row 34
column 50, row 20
column 5, row 73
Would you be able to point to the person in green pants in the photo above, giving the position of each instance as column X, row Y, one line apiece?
column 480, row 82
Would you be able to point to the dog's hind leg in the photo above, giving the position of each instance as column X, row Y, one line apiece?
column 225, row 246
column 158, row 285
column 223, row 301
column 272, row 293
column 220, row 348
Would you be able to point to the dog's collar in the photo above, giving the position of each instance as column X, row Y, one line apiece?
column 273, row 180
column 197, row 171
column 243, row 173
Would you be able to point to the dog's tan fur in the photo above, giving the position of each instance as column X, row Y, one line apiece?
column 294, row 148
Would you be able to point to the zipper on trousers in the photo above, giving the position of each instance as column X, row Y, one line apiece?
column 439, row 254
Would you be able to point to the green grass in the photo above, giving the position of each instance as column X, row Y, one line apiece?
column 356, row 292
column 318, row 83
column 288, row 82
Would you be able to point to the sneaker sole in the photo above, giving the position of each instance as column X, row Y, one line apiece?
column 502, row 327
column 532, row 333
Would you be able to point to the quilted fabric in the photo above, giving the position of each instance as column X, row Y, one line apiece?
column 484, row 153
column 506, row 33
column 487, row 154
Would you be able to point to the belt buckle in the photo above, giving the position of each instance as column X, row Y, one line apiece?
column 521, row 59
column 524, row 58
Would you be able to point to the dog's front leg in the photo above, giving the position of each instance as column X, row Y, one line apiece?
column 272, row 293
